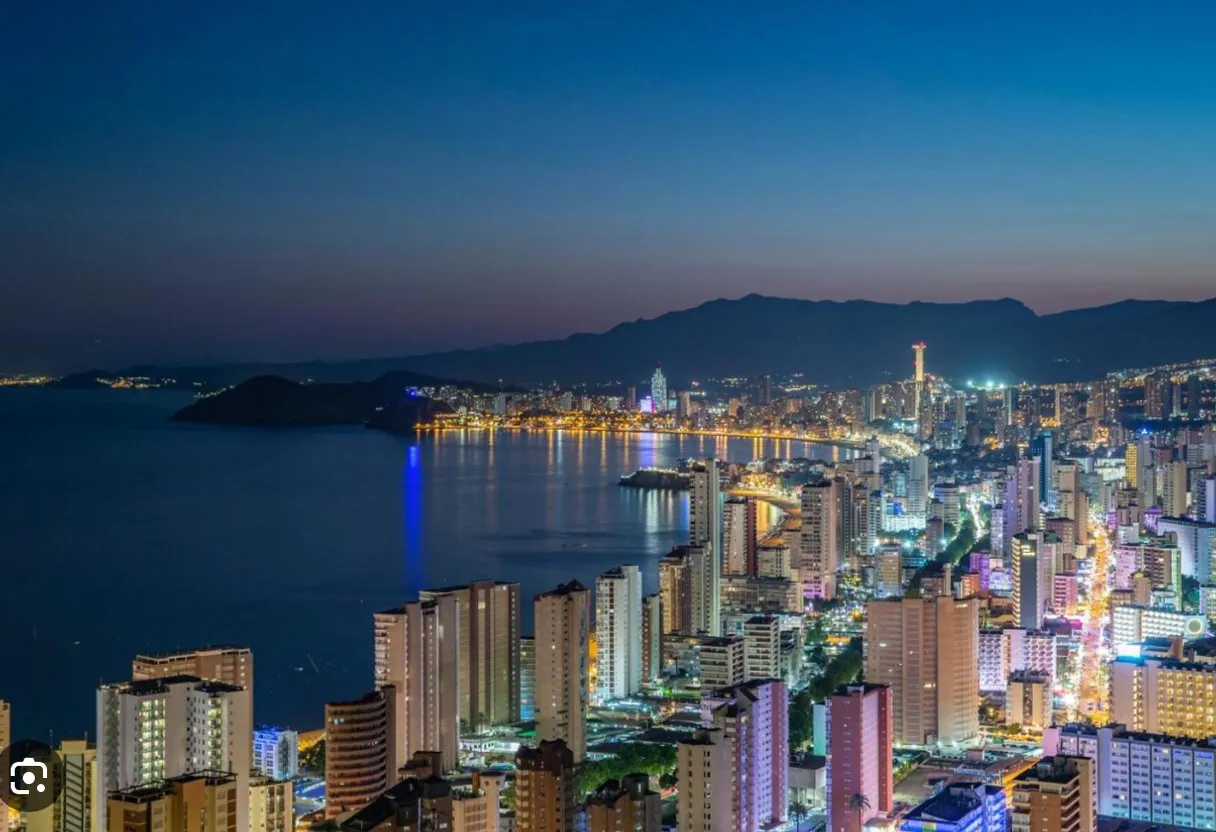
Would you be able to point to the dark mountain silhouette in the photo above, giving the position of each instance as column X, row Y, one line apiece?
column 850, row 343
column 272, row 401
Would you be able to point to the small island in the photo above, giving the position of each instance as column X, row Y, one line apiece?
column 662, row 478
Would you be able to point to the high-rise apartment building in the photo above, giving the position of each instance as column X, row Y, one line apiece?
column 627, row 805
column 733, row 775
column 1073, row 501
column 163, row 728
column 75, row 807
column 762, row 647
column 271, row 805
column 276, row 752
column 820, row 543
column 1152, row 778
column 927, row 651
column 1028, row 700
column 222, row 663
column 359, row 738
column 918, row 485
column 1022, row 497
column 859, row 746
column 739, row 536
column 1033, row 561
column 545, row 788
column 675, row 592
column 618, row 633
column 527, row 678
column 203, row 802
column 1175, row 495
column 1164, row 696
column 1056, row 795
column 417, row 654
column 1195, row 540
column 705, row 539
column 723, row 662
column 652, row 639
column 563, row 627
column 488, row 678
column 1006, row 651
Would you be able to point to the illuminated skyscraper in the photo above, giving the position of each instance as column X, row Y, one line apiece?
column 739, row 537
column 860, row 736
column 927, row 651
column 618, row 633
column 705, row 551
column 820, row 538
column 658, row 389
column 489, row 650
column 918, row 485
column 563, row 627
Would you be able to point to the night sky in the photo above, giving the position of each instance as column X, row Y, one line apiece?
column 290, row 180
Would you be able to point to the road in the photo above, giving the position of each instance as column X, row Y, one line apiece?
column 1093, row 691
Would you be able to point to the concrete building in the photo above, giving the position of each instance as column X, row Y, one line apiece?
column 1164, row 696
column 820, row 538
column 960, row 807
column 417, row 654
column 1028, row 700
column 1195, row 542
column 733, row 775
column 739, row 536
column 627, row 805
column 358, row 751
column 723, row 662
column 618, row 633
column 705, row 546
column 271, row 805
column 652, row 639
column 527, row 678
column 545, row 788
column 918, row 485
column 1144, row 776
column 675, row 592
column 1033, row 561
column 859, row 746
column 927, row 651
column 222, row 663
column 75, row 808
column 206, row 728
column 762, row 637
column 1056, row 795
column 1073, row 501
column 276, row 752
column 1009, row 650
column 201, row 802
column 1022, row 497
column 488, row 677
column 1132, row 624
column 563, row 627
column 658, row 390
column 416, row 804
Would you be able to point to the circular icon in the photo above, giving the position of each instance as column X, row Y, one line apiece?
column 31, row 776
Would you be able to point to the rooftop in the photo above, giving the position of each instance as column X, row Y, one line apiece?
column 953, row 803
column 182, row 654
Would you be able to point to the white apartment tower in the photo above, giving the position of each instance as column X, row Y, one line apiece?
column 618, row 633
column 705, row 533
column 155, row 729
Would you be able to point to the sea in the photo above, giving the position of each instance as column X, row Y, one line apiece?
column 124, row 532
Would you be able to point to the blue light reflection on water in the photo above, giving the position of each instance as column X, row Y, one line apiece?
column 411, row 494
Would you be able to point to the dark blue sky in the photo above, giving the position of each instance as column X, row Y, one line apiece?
column 246, row 179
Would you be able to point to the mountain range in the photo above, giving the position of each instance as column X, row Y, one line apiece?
column 842, row 344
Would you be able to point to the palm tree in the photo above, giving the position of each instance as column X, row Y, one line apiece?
column 799, row 812
column 860, row 803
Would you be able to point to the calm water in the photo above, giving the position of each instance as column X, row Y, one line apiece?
column 121, row 531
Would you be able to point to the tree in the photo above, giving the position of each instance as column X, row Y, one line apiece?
column 800, row 723
column 860, row 804
column 799, row 812
column 312, row 759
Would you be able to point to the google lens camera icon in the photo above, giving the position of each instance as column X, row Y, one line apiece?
column 31, row 777
column 27, row 774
